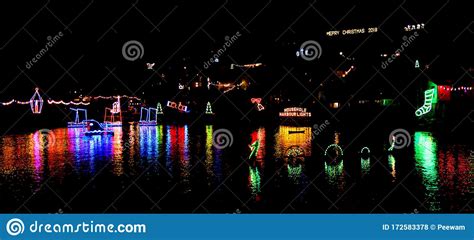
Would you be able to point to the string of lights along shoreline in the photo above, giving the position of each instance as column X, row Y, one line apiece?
column 36, row 101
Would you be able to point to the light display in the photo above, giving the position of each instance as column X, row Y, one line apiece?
column 77, row 121
column 429, row 96
column 251, row 65
column 209, row 108
column 258, row 101
column 392, row 165
column 149, row 66
column 85, row 101
column 417, row 64
column 67, row 103
column 110, row 119
column 454, row 89
column 335, row 146
column 444, row 93
column 365, row 150
column 159, row 109
column 254, row 149
column 295, row 112
column 343, row 74
column 180, row 107
column 36, row 102
column 146, row 116
column 365, row 165
column 284, row 140
column 335, row 174
column 96, row 128
column 254, row 180
column 352, row 31
column 113, row 97
column 294, row 172
column 295, row 153
column 414, row 27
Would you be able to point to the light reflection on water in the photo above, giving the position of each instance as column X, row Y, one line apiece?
column 426, row 149
column 31, row 159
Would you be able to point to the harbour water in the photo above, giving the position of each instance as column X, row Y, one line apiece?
column 178, row 168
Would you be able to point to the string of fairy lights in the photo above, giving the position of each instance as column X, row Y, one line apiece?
column 36, row 101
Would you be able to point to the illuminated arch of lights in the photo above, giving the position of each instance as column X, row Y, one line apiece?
column 295, row 152
column 365, row 149
column 333, row 146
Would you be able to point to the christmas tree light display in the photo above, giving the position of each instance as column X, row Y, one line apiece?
column 159, row 109
column 209, row 108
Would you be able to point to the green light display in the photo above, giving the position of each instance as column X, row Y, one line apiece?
column 365, row 166
column 254, row 176
column 338, row 149
column 335, row 173
column 254, row 147
column 428, row 104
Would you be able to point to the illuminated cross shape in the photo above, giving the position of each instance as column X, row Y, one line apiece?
column 36, row 102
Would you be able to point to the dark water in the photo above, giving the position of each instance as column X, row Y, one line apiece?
column 170, row 168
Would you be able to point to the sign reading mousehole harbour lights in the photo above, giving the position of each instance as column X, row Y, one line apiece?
column 295, row 112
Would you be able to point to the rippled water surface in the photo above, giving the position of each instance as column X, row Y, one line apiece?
column 170, row 168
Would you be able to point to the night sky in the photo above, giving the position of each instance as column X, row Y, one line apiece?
column 184, row 33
